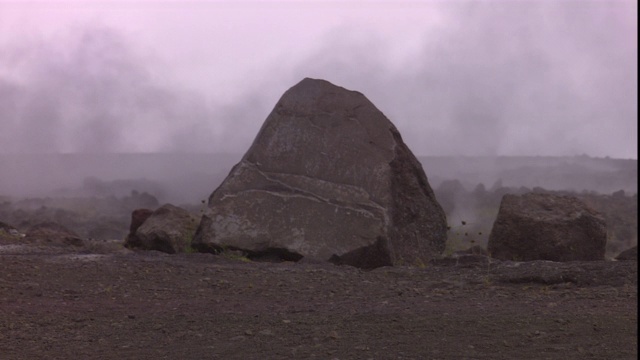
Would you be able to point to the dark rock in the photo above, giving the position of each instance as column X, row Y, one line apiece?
column 538, row 226
column 629, row 254
column 618, row 194
column 169, row 229
column 51, row 233
column 329, row 178
column 138, row 217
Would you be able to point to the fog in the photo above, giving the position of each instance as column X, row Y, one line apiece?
column 461, row 78
column 94, row 96
column 478, row 78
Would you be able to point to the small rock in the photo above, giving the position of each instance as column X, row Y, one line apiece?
column 551, row 227
column 168, row 229
column 629, row 254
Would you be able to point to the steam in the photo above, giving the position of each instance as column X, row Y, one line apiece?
column 505, row 78
column 495, row 78
column 97, row 96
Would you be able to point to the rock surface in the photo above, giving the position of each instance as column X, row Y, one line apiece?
column 327, row 178
column 169, row 229
column 537, row 226
column 629, row 254
column 138, row 217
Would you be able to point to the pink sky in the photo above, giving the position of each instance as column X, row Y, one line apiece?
column 470, row 78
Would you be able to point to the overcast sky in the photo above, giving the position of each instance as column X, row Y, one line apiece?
column 455, row 77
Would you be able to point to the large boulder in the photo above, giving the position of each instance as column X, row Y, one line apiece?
column 328, row 178
column 168, row 229
column 537, row 226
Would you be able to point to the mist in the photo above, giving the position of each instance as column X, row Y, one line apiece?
column 489, row 79
column 506, row 78
column 477, row 79
column 95, row 96
column 104, row 110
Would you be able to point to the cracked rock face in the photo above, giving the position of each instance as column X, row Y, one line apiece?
column 328, row 178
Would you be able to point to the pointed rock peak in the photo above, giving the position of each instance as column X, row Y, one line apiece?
column 327, row 178
column 320, row 84
column 317, row 94
column 313, row 82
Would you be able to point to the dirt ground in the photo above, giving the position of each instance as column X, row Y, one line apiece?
column 64, row 304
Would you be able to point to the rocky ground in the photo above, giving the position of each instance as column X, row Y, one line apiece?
column 104, row 302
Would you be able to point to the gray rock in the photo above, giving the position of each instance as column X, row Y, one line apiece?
column 328, row 177
column 537, row 226
column 169, row 229
column 138, row 217
column 629, row 254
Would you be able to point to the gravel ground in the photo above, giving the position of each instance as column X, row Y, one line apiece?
column 63, row 303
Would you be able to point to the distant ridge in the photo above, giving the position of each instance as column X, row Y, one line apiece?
column 577, row 173
column 191, row 176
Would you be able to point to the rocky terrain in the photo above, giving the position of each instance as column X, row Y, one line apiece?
column 102, row 301
column 325, row 241
column 89, row 297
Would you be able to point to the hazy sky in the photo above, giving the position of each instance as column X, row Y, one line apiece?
column 455, row 77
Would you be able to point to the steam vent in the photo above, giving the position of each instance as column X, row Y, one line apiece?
column 328, row 178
